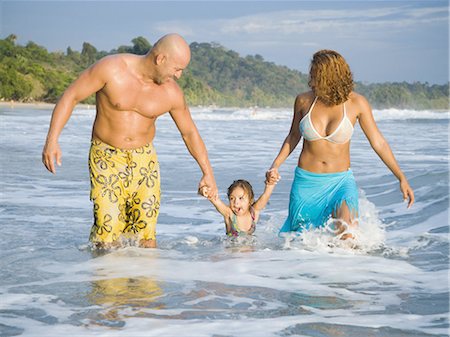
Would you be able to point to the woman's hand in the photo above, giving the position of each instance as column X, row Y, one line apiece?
column 407, row 191
column 272, row 176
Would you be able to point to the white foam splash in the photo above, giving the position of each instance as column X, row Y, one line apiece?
column 367, row 237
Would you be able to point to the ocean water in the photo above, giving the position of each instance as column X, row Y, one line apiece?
column 393, row 282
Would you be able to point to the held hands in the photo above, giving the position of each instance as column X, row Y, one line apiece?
column 407, row 191
column 207, row 187
column 205, row 192
column 272, row 176
column 50, row 153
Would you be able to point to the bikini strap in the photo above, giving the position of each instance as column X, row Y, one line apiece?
column 252, row 213
column 312, row 105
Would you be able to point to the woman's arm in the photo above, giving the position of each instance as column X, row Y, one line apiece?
column 381, row 146
column 289, row 144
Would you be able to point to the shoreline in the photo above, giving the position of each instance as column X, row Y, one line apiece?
column 44, row 105
column 38, row 105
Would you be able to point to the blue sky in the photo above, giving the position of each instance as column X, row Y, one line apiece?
column 381, row 40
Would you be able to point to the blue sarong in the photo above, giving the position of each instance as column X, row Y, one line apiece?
column 315, row 196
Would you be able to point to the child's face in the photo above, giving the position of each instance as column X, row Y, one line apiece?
column 239, row 201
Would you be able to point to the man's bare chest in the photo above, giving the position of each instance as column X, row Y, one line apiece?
column 149, row 101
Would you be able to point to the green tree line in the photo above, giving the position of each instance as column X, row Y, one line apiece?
column 215, row 76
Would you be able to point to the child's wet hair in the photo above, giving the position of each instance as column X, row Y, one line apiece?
column 245, row 185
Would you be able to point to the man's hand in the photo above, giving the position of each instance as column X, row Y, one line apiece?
column 50, row 154
column 203, row 191
column 207, row 187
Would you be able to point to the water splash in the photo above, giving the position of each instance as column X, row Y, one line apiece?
column 367, row 237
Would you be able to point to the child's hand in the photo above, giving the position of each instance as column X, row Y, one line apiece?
column 203, row 191
column 272, row 176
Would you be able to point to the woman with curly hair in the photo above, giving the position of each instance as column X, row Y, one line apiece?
column 324, row 187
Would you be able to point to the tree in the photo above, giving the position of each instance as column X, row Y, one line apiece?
column 88, row 53
column 216, row 75
column 11, row 38
column 140, row 46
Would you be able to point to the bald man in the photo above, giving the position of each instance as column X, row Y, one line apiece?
column 132, row 91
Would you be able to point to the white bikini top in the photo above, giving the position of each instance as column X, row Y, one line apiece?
column 341, row 135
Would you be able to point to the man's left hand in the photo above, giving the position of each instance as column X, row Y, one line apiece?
column 207, row 187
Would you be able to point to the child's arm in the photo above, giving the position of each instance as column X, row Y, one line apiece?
column 221, row 207
column 264, row 198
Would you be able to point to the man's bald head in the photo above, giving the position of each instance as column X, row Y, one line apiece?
column 169, row 56
column 173, row 45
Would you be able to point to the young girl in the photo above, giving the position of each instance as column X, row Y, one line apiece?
column 242, row 214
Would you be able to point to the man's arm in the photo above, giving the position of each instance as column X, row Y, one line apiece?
column 89, row 82
column 194, row 143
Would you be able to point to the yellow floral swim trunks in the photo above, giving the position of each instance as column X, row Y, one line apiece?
column 125, row 190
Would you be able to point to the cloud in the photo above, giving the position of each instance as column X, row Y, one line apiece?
column 373, row 39
column 283, row 24
column 185, row 29
column 303, row 21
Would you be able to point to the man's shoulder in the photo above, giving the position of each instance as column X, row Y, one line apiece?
column 112, row 65
column 174, row 91
column 115, row 60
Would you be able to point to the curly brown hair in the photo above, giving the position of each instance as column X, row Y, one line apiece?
column 330, row 77
column 246, row 186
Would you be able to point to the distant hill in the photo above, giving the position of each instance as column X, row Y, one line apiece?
column 215, row 76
